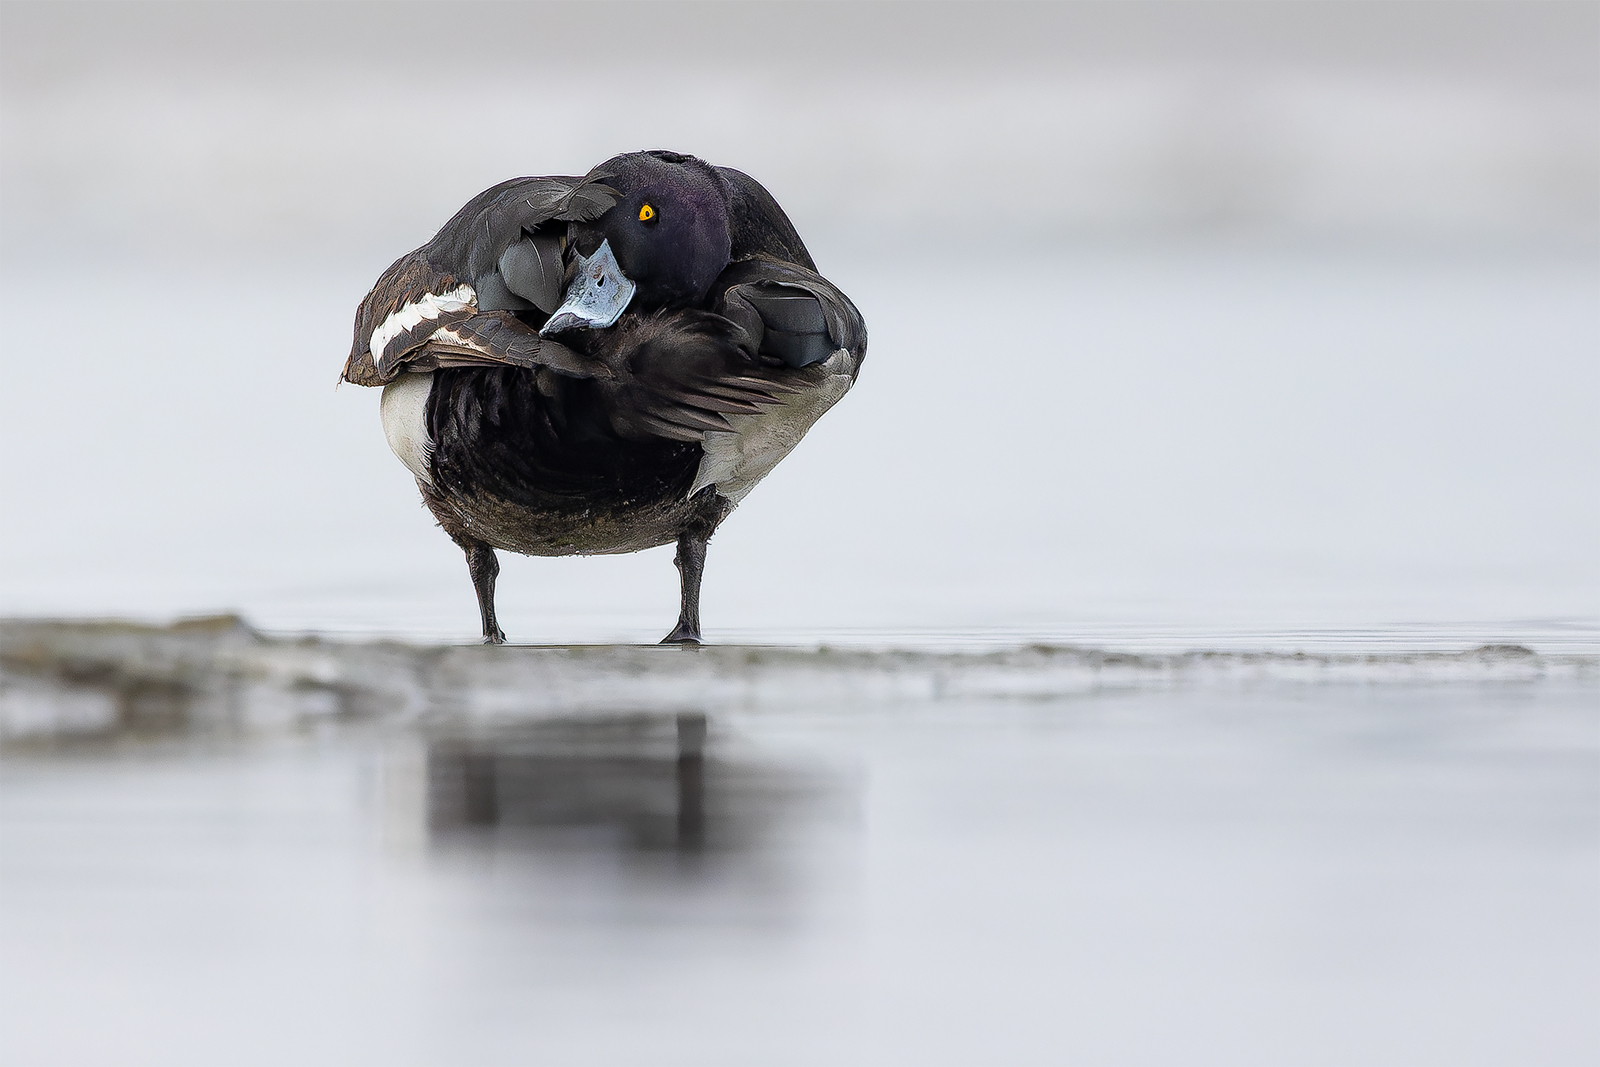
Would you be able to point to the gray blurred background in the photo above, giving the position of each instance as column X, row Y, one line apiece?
column 1194, row 323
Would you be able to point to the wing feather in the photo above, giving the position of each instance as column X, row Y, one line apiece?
column 500, row 337
column 681, row 372
column 789, row 313
column 505, row 241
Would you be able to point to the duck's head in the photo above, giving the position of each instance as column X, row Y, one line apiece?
column 662, row 244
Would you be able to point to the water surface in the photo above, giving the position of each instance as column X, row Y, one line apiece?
column 1263, row 873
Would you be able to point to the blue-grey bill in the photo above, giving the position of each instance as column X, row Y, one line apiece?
column 597, row 296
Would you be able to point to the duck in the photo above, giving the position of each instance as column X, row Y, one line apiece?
column 603, row 364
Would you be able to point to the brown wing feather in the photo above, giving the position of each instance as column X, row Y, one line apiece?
column 408, row 280
column 499, row 337
column 463, row 249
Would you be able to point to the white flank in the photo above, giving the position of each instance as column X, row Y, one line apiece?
column 431, row 306
column 735, row 460
column 404, row 410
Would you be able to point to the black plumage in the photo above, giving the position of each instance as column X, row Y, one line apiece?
column 643, row 429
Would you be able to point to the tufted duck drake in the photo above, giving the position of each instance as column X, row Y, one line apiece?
column 603, row 364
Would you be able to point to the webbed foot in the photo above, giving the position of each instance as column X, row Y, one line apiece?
column 682, row 634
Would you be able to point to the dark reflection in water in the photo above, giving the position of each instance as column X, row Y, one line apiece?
column 643, row 780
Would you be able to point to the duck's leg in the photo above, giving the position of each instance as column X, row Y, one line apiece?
column 691, row 563
column 484, row 567
column 481, row 562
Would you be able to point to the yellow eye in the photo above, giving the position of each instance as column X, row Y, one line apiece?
column 647, row 214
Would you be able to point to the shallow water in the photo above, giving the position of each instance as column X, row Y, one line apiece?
column 1264, row 873
column 1163, row 446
